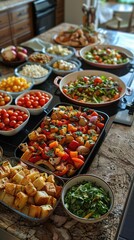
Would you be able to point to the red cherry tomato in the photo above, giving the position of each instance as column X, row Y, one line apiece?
column 33, row 99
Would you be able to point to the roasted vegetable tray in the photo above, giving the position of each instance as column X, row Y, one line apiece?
column 33, row 193
column 65, row 140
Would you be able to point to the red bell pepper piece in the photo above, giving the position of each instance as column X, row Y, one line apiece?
column 73, row 145
column 100, row 125
column 35, row 158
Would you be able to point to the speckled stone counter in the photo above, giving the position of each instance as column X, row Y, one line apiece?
column 114, row 162
column 6, row 4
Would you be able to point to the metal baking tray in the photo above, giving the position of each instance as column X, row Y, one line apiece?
column 89, row 158
column 14, row 161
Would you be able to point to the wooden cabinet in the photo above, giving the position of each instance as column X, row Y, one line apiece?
column 21, row 23
column 5, row 31
column 16, row 24
column 59, row 11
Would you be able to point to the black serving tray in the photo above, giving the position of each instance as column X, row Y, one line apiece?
column 89, row 159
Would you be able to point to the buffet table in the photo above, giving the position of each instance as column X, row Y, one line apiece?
column 113, row 162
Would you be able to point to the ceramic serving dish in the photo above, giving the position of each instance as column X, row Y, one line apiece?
column 61, row 52
column 38, row 73
column 15, row 85
column 71, row 78
column 92, row 213
column 119, row 58
column 13, row 126
column 60, row 67
column 37, row 107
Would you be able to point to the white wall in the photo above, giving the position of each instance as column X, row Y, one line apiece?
column 73, row 11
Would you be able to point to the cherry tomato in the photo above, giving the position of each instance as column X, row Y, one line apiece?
column 42, row 101
column 2, row 125
column 33, row 99
column 11, row 118
column 20, row 118
column 25, row 116
column 6, row 121
column 12, row 123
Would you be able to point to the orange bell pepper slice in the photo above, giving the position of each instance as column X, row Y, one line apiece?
column 73, row 154
column 53, row 144
column 77, row 162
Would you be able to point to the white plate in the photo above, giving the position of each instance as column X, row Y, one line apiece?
column 102, row 65
column 101, row 40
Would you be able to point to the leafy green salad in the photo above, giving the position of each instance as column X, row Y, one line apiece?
column 93, row 89
column 87, row 200
column 106, row 56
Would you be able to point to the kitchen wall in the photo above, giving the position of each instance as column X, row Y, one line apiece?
column 73, row 11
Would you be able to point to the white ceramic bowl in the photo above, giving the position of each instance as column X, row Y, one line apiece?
column 65, row 72
column 41, row 58
column 15, row 94
column 98, row 182
column 125, row 53
column 61, row 52
column 36, row 80
column 18, row 129
column 9, row 95
column 36, row 111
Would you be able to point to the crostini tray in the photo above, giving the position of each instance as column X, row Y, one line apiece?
column 89, row 157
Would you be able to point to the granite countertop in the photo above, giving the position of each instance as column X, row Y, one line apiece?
column 113, row 162
column 6, row 4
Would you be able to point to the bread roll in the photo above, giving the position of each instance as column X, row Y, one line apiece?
column 33, row 175
column 51, row 179
column 15, row 170
column 17, row 178
column 20, row 200
column 45, row 210
column 8, row 199
column 50, row 188
column 41, row 198
column 3, row 173
column 3, row 182
column 34, row 211
column 19, row 188
column 10, row 188
column 52, row 201
column 39, row 183
column 6, row 167
column 30, row 189
column 25, row 180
